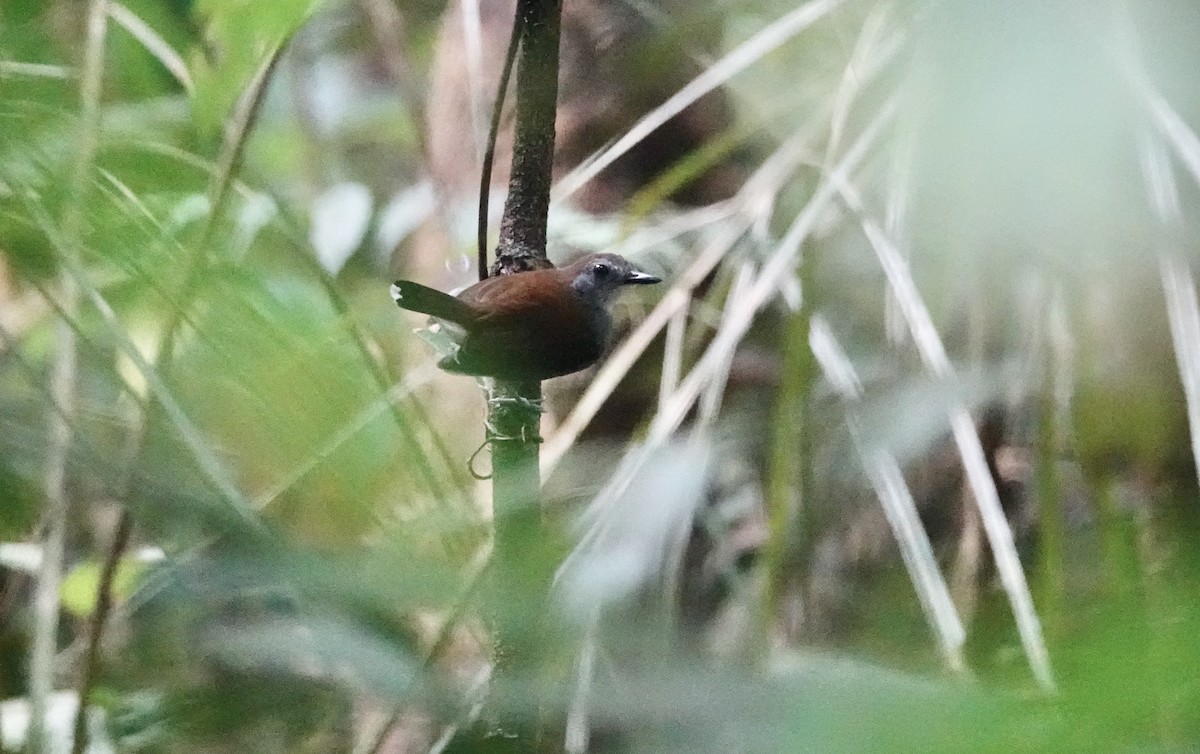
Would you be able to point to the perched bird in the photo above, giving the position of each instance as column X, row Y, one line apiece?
column 529, row 325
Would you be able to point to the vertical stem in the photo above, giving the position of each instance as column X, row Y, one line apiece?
column 787, row 466
column 41, row 661
column 514, row 414
column 523, row 227
column 489, row 153
column 63, row 383
column 104, row 601
column 514, row 411
column 515, row 407
column 1052, row 529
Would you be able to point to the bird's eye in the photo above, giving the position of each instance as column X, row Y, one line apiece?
column 601, row 269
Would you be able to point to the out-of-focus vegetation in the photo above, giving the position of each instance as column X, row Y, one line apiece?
column 909, row 466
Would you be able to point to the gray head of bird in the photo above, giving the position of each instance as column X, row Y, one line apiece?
column 598, row 277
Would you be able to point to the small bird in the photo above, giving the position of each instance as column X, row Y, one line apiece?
column 529, row 325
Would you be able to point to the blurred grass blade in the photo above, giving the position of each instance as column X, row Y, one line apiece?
column 711, row 397
column 35, row 70
column 1184, row 314
column 153, row 42
column 236, row 133
column 752, row 207
column 636, row 540
column 1172, row 126
column 211, row 466
column 983, row 487
column 1179, row 289
column 208, row 462
column 777, row 270
column 477, row 85
column 737, row 60
column 673, row 352
column 752, row 202
column 575, row 738
column 339, row 438
column 888, row 482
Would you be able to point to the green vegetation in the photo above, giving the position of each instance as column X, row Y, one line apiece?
column 910, row 468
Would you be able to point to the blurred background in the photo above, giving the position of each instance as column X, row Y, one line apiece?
column 897, row 458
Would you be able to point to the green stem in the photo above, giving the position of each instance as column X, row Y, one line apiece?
column 514, row 407
column 788, row 471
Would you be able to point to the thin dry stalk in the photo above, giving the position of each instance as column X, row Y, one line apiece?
column 894, row 496
column 751, row 207
column 983, row 487
column 473, row 42
column 41, row 661
column 775, row 272
column 1183, row 310
column 716, row 75
column 387, row 27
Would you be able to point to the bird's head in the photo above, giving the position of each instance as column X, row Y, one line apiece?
column 597, row 277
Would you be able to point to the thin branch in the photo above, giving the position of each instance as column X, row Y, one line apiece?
column 489, row 153
column 104, row 603
column 63, row 385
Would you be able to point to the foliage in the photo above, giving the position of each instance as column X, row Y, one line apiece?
column 950, row 212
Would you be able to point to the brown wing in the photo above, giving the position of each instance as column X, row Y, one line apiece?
column 531, row 325
column 540, row 296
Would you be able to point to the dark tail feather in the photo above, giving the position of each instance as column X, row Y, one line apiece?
column 419, row 298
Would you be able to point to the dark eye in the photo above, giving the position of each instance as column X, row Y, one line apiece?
column 601, row 269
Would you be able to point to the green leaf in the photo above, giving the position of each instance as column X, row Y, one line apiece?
column 79, row 588
column 240, row 35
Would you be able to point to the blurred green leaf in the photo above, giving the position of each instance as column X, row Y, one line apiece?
column 80, row 586
column 240, row 35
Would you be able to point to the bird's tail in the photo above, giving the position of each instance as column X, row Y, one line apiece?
column 420, row 298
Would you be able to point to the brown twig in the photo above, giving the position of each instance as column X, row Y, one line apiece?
column 489, row 154
column 104, row 602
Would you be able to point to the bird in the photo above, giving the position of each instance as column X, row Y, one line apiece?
column 528, row 325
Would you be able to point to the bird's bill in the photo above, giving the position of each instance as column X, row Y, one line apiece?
column 641, row 278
